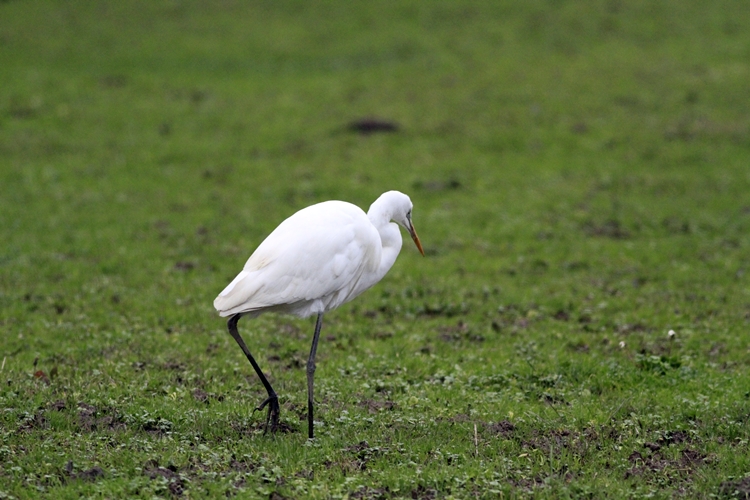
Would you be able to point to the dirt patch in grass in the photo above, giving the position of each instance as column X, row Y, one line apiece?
column 91, row 419
column 260, row 426
column 423, row 493
column 356, row 457
column 173, row 365
column 503, row 428
column 366, row 493
column 88, row 475
column 554, row 441
column 200, row 395
column 371, row 125
column 33, row 422
column 175, row 483
column 674, row 437
column 205, row 397
column 611, row 228
column 738, row 488
column 460, row 331
column 91, row 474
column 373, row 406
column 59, row 405
column 656, row 463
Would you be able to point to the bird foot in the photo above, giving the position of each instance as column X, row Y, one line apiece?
column 272, row 402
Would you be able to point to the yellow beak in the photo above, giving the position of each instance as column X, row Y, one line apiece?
column 413, row 233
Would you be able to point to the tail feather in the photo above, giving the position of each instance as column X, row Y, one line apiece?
column 234, row 298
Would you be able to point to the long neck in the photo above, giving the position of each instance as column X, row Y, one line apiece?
column 390, row 237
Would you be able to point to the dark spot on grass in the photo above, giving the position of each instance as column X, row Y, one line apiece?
column 521, row 323
column 184, row 266
column 175, row 482
column 40, row 375
column 579, row 128
column 503, row 428
column 553, row 399
column 561, row 315
column 296, row 362
column 635, row 457
column 197, row 96
column 580, row 346
column 58, row 405
column 717, row 348
column 368, row 493
column 356, row 448
column 576, row 265
column 260, row 427
column 91, row 419
column 362, row 453
column 447, row 310
column 37, row 421
column 735, row 488
column 21, row 112
column 545, row 235
column 200, row 395
column 657, row 364
column 113, row 81
column 174, row 366
column 527, row 484
column 437, row 185
column 657, row 464
column 460, row 331
column 674, row 437
column 157, row 426
column 692, row 457
column 91, row 474
column 554, row 441
column 611, row 228
column 457, row 418
column 377, row 406
column 652, row 446
column 424, row 493
column 675, row 225
column 632, row 327
column 366, row 126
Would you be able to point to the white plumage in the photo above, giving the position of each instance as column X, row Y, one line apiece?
column 319, row 258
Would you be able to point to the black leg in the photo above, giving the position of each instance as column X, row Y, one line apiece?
column 311, row 373
column 272, row 400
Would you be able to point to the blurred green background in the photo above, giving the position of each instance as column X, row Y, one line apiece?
column 579, row 172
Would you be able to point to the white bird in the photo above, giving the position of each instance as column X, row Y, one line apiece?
column 317, row 259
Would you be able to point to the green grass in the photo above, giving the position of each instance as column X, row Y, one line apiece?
column 580, row 178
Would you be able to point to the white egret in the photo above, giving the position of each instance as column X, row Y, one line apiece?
column 317, row 259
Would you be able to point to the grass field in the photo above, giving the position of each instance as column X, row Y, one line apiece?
column 580, row 176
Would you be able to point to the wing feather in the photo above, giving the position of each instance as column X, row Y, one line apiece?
column 312, row 262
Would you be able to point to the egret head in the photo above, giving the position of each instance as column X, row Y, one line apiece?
column 399, row 207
